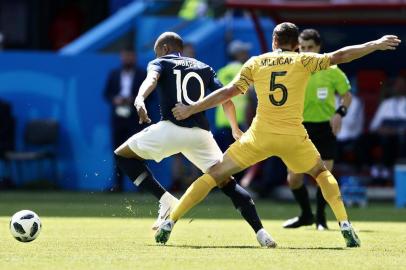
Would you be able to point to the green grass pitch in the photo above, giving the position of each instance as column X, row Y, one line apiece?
column 112, row 231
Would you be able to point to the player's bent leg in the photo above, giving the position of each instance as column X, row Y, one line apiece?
column 197, row 191
column 243, row 202
column 330, row 189
column 331, row 193
column 321, row 221
column 299, row 190
column 204, row 155
column 138, row 171
column 218, row 175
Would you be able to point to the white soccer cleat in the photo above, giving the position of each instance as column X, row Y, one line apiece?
column 350, row 237
column 164, row 231
column 321, row 227
column 166, row 204
column 265, row 239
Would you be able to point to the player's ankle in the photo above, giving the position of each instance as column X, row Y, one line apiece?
column 344, row 224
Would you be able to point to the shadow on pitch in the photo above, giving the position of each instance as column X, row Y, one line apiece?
column 209, row 247
column 249, row 247
column 337, row 230
column 312, row 248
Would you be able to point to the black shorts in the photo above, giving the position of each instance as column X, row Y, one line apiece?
column 323, row 138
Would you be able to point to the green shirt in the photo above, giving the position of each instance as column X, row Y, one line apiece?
column 321, row 89
column 226, row 75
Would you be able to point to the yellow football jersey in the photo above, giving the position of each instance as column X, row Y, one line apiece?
column 280, row 80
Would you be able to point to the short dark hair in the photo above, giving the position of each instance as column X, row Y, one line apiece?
column 311, row 34
column 171, row 39
column 286, row 34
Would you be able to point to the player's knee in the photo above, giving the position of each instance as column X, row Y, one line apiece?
column 218, row 175
column 126, row 152
column 317, row 169
column 120, row 152
column 295, row 180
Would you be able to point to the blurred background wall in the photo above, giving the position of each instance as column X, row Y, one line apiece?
column 57, row 55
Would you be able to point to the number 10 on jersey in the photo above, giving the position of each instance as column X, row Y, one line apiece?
column 181, row 86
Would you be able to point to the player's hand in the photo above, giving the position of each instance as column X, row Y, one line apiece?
column 335, row 123
column 388, row 42
column 237, row 133
column 181, row 111
column 141, row 111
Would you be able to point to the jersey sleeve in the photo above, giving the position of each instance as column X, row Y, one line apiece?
column 341, row 82
column 244, row 78
column 314, row 62
column 214, row 82
column 155, row 66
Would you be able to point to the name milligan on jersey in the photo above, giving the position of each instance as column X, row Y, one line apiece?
column 276, row 61
column 185, row 80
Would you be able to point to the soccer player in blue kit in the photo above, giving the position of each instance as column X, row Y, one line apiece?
column 180, row 80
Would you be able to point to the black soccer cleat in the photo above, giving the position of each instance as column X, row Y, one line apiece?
column 297, row 222
column 321, row 223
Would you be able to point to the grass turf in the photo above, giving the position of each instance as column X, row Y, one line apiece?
column 110, row 231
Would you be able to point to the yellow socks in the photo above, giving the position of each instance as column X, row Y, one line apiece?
column 329, row 187
column 193, row 195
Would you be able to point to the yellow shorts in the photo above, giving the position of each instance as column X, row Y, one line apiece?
column 297, row 152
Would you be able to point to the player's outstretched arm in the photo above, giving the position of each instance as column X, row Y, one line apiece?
column 349, row 53
column 146, row 88
column 181, row 111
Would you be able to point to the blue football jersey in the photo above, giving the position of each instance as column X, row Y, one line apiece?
column 185, row 80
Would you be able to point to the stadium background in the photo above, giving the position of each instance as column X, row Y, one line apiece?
column 55, row 60
column 57, row 56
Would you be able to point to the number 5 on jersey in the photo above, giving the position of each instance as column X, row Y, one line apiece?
column 274, row 86
column 181, row 86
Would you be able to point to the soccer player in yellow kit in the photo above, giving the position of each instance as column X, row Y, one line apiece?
column 280, row 78
column 322, row 122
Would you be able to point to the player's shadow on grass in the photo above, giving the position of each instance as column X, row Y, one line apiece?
column 313, row 248
column 250, row 247
column 207, row 247
column 336, row 230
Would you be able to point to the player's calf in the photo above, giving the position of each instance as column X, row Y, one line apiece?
column 243, row 202
column 140, row 174
column 143, row 178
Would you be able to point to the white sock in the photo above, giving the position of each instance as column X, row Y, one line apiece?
column 167, row 198
column 261, row 231
column 345, row 224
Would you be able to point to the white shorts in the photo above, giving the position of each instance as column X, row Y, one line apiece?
column 165, row 139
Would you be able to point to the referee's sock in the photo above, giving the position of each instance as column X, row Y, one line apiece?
column 302, row 197
column 140, row 175
column 243, row 203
